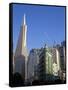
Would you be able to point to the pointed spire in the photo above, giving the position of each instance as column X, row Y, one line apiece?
column 24, row 20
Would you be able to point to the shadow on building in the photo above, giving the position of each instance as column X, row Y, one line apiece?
column 49, row 80
column 18, row 80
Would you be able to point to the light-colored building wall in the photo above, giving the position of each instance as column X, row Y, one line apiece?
column 48, row 62
column 56, row 61
column 33, row 64
column 45, row 64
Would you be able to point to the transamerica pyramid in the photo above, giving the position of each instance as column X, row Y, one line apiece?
column 21, row 45
column 21, row 53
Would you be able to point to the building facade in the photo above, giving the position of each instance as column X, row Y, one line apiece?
column 56, row 61
column 45, row 64
column 33, row 61
column 62, row 50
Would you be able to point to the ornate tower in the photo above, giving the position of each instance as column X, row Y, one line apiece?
column 21, row 54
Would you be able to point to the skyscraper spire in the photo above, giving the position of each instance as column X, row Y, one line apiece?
column 24, row 20
column 21, row 44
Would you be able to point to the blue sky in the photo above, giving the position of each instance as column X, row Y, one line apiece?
column 45, row 24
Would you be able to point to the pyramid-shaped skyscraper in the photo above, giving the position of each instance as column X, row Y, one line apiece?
column 21, row 53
